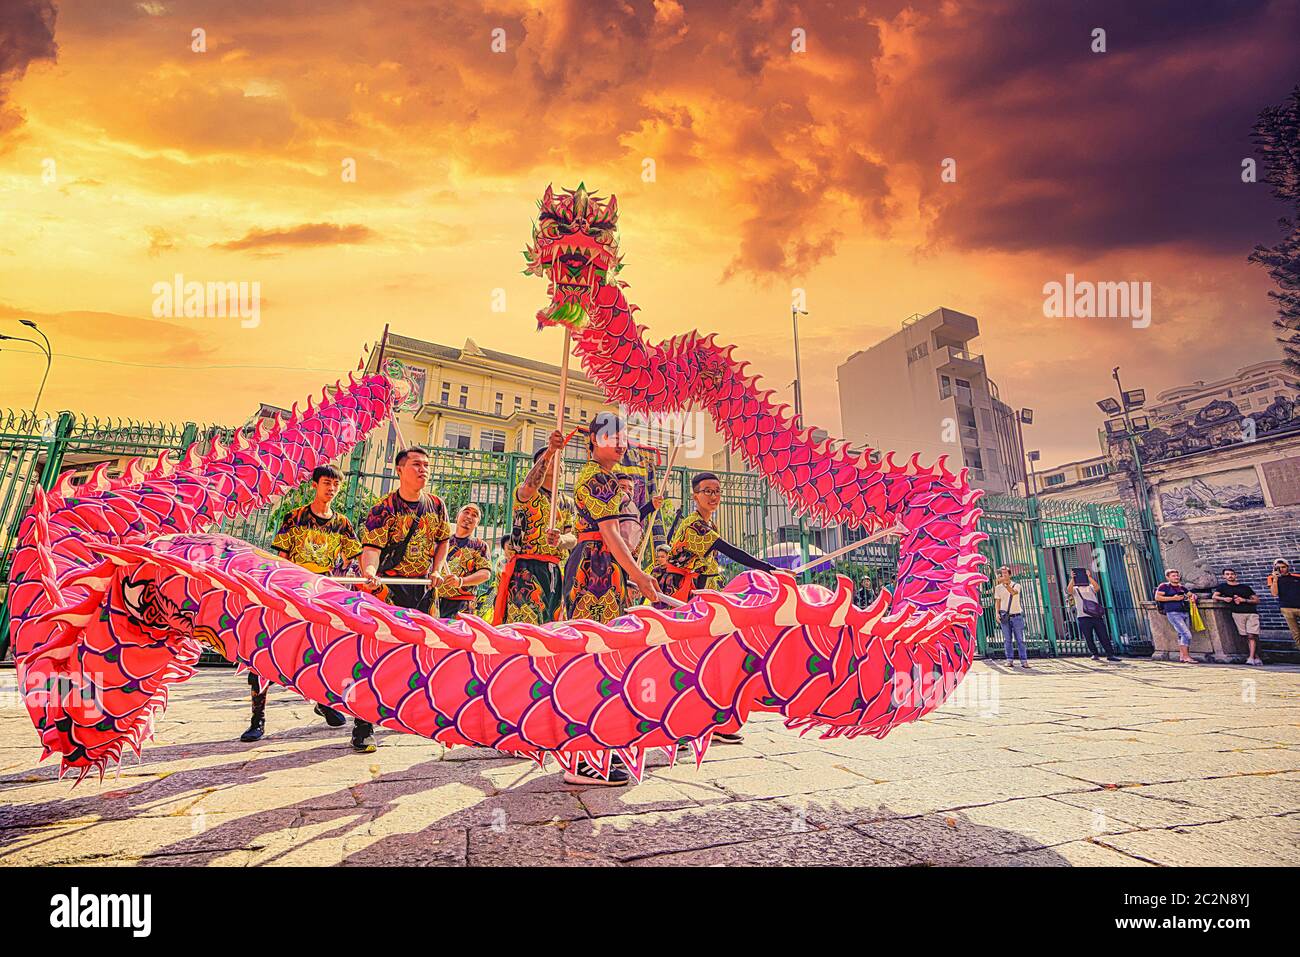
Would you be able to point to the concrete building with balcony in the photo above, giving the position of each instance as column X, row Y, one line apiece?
column 923, row 390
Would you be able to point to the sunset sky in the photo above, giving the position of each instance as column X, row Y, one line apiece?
column 127, row 158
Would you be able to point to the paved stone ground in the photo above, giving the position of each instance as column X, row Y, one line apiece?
column 1073, row 763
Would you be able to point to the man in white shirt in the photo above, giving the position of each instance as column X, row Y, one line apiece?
column 1011, row 616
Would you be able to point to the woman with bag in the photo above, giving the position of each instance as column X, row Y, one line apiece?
column 1091, row 614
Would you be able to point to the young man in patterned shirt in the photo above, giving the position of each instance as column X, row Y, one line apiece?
column 405, row 536
column 692, row 560
column 320, row 540
column 599, row 568
column 468, row 565
column 531, row 585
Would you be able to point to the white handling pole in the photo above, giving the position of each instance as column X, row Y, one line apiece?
column 884, row 533
column 559, row 424
column 672, row 458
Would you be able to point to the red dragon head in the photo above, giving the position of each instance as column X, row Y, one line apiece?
column 575, row 246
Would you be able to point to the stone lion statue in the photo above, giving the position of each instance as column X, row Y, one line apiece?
column 1179, row 552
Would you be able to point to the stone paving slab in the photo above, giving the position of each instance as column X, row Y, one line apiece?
column 1069, row 764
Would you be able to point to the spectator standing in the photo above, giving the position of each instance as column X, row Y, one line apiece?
column 1173, row 600
column 1285, row 586
column 1245, row 614
column 1011, row 616
column 1090, row 613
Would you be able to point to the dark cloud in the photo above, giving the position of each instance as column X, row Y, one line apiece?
column 308, row 234
column 1061, row 148
column 26, row 35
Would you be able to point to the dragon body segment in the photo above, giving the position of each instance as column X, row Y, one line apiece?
column 116, row 588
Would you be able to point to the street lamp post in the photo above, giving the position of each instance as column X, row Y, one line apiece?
column 45, row 348
column 1122, row 406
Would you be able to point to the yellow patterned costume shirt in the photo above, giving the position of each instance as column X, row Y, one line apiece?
column 389, row 522
column 320, row 545
column 692, row 548
column 595, row 585
column 533, row 517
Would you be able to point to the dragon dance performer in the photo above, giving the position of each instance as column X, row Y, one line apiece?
column 468, row 565
column 406, row 536
column 320, row 540
column 691, row 561
column 634, row 531
column 639, row 465
column 599, row 568
column 595, row 580
column 531, row 587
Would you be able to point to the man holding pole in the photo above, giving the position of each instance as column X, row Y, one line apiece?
column 531, row 586
column 692, row 561
column 468, row 565
column 405, row 536
column 321, row 540
column 599, row 568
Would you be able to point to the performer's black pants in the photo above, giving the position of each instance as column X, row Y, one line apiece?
column 451, row 607
column 414, row 597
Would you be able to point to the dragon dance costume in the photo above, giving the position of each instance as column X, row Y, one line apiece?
column 692, row 561
column 407, row 535
column 117, row 586
column 595, row 584
column 465, row 556
column 321, row 545
column 530, row 589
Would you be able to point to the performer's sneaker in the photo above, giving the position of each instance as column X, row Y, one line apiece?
column 727, row 737
column 332, row 717
column 254, row 732
column 584, row 773
column 1113, row 658
column 364, row 745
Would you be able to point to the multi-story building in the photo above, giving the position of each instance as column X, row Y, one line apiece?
column 922, row 389
column 476, row 398
column 1252, row 389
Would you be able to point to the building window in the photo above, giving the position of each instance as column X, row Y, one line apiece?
column 583, row 415
column 492, row 440
column 532, row 405
column 918, row 352
column 519, row 402
column 945, row 387
column 1094, row 471
column 1057, row 479
column 551, row 408
column 973, row 459
column 456, row 436
column 540, row 440
column 446, row 393
column 500, row 404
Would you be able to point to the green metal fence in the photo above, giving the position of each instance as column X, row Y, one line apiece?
column 1041, row 540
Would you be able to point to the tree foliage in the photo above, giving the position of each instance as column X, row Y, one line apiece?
column 1277, row 137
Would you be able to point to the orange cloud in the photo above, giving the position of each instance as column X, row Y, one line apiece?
column 308, row 234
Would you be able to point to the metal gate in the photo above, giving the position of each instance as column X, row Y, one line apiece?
column 1043, row 541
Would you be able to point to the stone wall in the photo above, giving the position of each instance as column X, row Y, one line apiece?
column 1250, row 542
